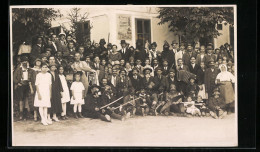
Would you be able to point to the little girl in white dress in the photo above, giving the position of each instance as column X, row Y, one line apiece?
column 78, row 95
column 191, row 108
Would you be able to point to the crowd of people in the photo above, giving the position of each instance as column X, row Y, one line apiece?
column 54, row 76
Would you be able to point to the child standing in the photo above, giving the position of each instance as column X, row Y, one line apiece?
column 77, row 99
column 43, row 93
column 65, row 94
column 56, row 94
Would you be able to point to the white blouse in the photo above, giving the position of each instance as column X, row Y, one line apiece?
column 226, row 76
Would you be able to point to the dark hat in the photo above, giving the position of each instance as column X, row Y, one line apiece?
column 62, row 34
column 174, row 42
column 24, row 58
column 211, row 62
column 217, row 49
column 226, row 44
column 131, row 47
column 165, row 60
column 158, row 68
column 221, row 47
column 109, row 44
column 95, row 86
column 102, row 41
column 209, row 47
column 123, row 42
column 38, row 59
column 182, row 44
column 216, row 91
column 147, row 68
column 192, row 77
column 171, row 70
column 135, row 69
column 189, row 44
column 154, row 44
column 166, row 43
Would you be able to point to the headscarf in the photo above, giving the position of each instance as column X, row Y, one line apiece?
column 221, row 66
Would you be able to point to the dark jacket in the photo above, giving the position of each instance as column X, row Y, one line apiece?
column 126, row 55
column 18, row 74
column 213, row 102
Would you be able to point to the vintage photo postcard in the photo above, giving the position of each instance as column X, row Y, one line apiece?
column 124, row 75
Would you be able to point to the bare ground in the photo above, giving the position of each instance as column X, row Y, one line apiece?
column 159, row 131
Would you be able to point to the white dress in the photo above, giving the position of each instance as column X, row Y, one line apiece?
column 77, row 87
column 43, row 81
column 65, row 94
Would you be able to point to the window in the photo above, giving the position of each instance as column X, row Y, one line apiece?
column 143, row 30
column 85, row 29
column 219, row 26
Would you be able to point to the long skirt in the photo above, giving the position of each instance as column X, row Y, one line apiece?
column 227, row 92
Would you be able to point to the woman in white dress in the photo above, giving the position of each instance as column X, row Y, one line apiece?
column 43, row 93
column 225, row 79
column 65, row 94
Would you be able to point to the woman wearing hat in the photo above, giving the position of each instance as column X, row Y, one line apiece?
column 225, row 79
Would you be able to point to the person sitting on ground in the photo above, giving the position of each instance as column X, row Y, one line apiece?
column 191, row 108
column 217, row 105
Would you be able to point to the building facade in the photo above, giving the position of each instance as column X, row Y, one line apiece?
column 116, row 23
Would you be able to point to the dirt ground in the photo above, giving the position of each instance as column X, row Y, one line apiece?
column 159, row 131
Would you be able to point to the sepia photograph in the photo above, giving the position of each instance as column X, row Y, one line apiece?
column 124, row 75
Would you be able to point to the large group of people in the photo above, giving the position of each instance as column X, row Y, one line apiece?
column 54, row 76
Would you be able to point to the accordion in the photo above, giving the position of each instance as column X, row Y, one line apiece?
column 183, row 75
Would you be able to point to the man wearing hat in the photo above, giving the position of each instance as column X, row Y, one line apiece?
column 210, row 56
column 23, row 75
column 187, row 56
column 123, row 84
column 136, row 80
column 168, row 55
column 179, row 54
column 171, row 79
column 153, row 52
column 62, row 44
column 102, row 49
column 148, row 84
column 37, row 49
column 174, row 46
column 125, row 52
column 217, row 105
column 210, row 77
column 201, row 57
column 109, row 48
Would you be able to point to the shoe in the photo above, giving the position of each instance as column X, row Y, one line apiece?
column 223, row 115
column 56, row 119
column 76, row 116
column 35, row 119
column 166, row 113
column 63, row 117
column 213, row 115
column 49, row 121
column 128, row 115
column 44, row 123
column 123, row 119
column 80, row 115
column 66, row 117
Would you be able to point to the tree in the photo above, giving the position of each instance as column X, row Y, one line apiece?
column 27, row 22
column 194, row 23
column 77, row 21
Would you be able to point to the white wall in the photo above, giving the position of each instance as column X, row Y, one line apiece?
column 224, row 37
column 100, row 28
column 160, row 33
